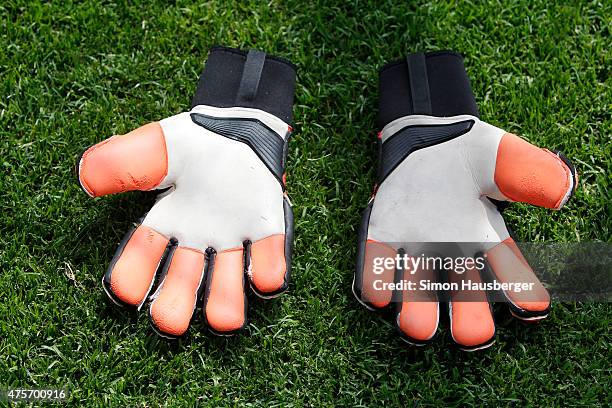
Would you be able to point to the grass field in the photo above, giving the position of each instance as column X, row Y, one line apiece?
column 72, row 74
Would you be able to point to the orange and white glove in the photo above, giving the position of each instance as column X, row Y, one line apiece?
column 440, row 167
column 222, row 222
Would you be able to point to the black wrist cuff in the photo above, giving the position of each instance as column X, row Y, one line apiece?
column 252, row 79
column 434, row 84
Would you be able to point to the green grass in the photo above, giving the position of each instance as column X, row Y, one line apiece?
column 72, row 74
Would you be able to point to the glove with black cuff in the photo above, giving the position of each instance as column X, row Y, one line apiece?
column 223, row 221
column 442, row 173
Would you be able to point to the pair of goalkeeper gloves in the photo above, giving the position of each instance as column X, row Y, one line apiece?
column 222, row 224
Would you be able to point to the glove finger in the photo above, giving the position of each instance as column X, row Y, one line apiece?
column 418, row 310
column 130, row 275
column 471, row 321
column 135, row 161
column 225, row 300
column 366, row 277
column 174, row 301
column 370, row 283
column 268, row 269
column 510, row 266
column 526, row 173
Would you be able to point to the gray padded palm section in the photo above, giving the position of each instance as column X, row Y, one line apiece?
column 411, row 138
column 268, row 145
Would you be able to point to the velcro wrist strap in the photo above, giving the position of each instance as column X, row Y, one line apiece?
column 252, row 79
column 419, row 84
column 434, row 84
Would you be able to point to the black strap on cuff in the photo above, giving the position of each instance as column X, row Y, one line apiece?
column 251, row 75
column 432, row 82
column 250, row 79
column 419, row 84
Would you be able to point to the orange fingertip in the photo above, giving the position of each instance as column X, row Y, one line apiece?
column 418, row 320
column 134, row 270
column 472, row 323
column 225, row 303
column 509, row 265
column 175, row 300
column 268, row 265
column 135, row 161
column 375, row 290
column 526, row 173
